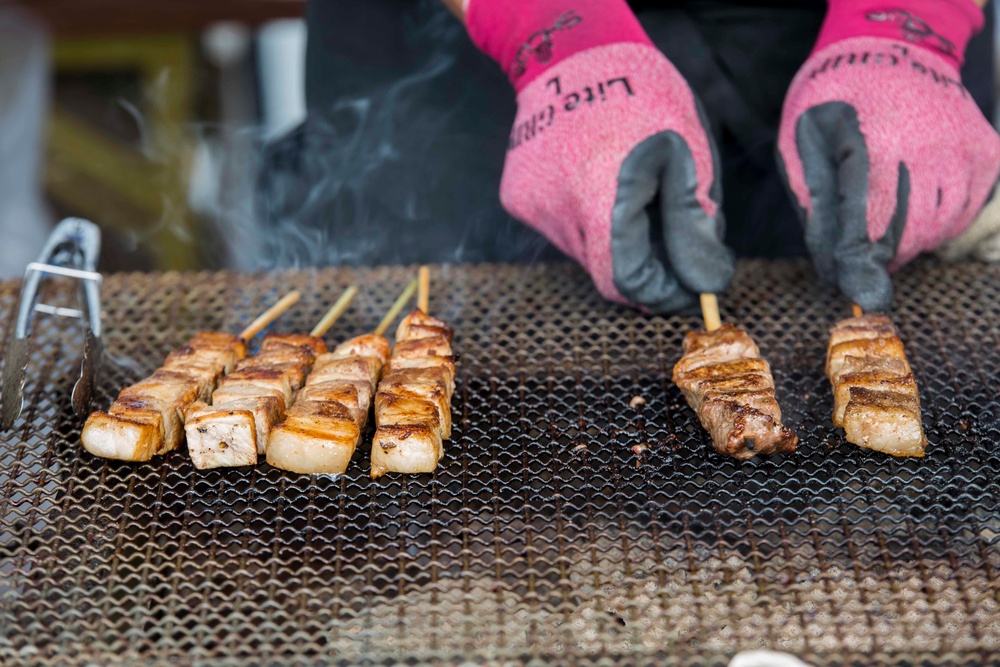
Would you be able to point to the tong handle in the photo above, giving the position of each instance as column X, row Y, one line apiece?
column 72, row 251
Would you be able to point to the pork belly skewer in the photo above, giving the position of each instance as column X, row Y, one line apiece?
column 875, row 396
column 147, row 418
column 322, row 429
column 233, row 429
column 413, row 403
column 730, row 387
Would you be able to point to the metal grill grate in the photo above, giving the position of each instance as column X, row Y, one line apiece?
column 543, row 535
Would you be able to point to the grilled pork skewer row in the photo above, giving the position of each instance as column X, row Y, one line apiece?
column 147, row 418
column 233, row 429
column 322, row 429
column 730, row 387
column 876, row 400
column 413, row 404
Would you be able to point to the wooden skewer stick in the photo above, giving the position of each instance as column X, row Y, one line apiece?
column 335, row 312
column 710, row 311
column 856, row 310
column 396, row 308
column 270, row 315
column 424, row 293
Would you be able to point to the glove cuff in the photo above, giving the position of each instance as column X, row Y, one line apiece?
column 527, row 37
column 943, row 27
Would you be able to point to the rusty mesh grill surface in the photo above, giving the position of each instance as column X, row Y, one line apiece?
column 542, row 535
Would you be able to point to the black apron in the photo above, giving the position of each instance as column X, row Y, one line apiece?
column 399, row 160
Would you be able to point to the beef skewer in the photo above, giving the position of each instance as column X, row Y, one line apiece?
column 730, row 387
column 323, row 427
column 413, row 403
column 234, row 426
column 147, row 418
column 875, row 395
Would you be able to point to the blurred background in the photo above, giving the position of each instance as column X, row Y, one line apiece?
column 147, row 122
column 152, row 119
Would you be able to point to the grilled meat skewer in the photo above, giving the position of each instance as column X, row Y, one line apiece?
column 730, row 387
column 876, row 400
column 413, row 404
column 147, row 418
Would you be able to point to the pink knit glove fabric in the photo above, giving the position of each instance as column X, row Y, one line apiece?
column 608, row 156
column 884, row 149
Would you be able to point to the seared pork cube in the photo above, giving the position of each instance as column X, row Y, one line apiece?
column 422, row 347
column 867, row 348
column 266, row 380
column 135, row 435
column 329, row 369
column 419, row 324
column 747, row 425
column 433, row 394
column 369, row 345
column 221, row 437
column 294, row 363
column 345, row 393
column 876, row 381
column 316, row 437
column 884, row 421
column 166, row 391
column 276, row 341
column 444, row 365
column 406, row 449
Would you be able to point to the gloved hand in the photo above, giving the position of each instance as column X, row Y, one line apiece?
column 608, row 157
column 884, row 149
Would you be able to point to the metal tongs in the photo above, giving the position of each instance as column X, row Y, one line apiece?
column 71, row 252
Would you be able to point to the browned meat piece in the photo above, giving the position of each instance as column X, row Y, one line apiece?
column 275, row 341
column 134, row 435
column 267, row 380
column 316, row 437
column 330, row 367
column 876, row 399
column 413, row 403
column 415, row 348
column 731, row 389
column 419, row 324
column 223, row 435
column 368, row 345
column 293, row 362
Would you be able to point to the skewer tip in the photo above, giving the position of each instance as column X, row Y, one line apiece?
column 856, row 310
column 710, row 311
column 270, row 315
column 397, row 306
column 335, row 312
column 424, row 293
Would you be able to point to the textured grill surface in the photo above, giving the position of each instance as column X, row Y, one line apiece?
column 542, row 534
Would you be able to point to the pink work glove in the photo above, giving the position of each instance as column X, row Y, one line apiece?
column 883, row 148
column 608, row 157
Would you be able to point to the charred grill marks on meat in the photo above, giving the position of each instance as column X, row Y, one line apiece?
column 730, row 387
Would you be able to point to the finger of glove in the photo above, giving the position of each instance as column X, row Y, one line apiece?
column 640, row 264
column 836, row 167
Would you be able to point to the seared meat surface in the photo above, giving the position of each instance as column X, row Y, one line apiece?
column 730, row 387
